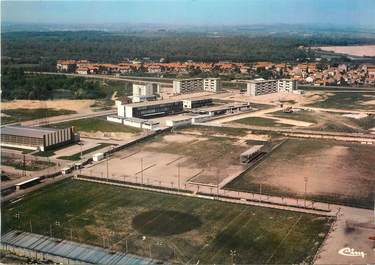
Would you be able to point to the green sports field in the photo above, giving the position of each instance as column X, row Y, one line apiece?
column 167, row 227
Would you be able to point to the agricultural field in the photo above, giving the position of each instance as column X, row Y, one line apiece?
column 25, row 114
column 343, row 100
column 357, row 50
column 335, row 172
column 167, row 227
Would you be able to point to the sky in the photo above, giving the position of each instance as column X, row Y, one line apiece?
column 192, row 12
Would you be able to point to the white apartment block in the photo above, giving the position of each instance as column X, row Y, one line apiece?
column 286, row 85
column 142, row 90
column 190, row 85
column 263, row 87
column 212, row 84
column 184, row 86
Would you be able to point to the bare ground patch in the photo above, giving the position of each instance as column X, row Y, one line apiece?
column 331, row 170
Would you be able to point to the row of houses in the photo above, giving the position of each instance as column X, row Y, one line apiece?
column 315, row 73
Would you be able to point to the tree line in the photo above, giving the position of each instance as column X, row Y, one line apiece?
column 44, row 48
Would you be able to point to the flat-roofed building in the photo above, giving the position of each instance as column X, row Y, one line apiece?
column 150, row 109
column 259, row 87
column 252, row 153
column 190, row 85
column 212, row 84
column 197, row 103
column 35, row 138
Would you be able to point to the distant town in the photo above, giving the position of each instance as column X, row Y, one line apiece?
column 314, row 73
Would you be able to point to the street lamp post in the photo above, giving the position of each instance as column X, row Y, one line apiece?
column 305, row 179
column 178, row 175
column 142, row 170
column 107, row 167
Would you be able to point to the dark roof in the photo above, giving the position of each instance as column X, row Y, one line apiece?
column 35, row 132
column 81, row 253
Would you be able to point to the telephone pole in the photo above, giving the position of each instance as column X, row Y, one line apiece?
column 305, row 179
column 142, row 170
column 178, row 176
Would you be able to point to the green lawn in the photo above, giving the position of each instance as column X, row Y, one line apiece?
column 77, row 156
column 347, row 100
column 95, row 125
column 302, row 115
column 24, row 151
column 174, row 228
column 21, row 114
column 259, row 121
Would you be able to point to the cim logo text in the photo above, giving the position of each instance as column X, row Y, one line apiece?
column 350, row 252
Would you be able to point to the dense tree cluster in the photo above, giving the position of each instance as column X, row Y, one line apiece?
column 16, row 84
column 44, row 48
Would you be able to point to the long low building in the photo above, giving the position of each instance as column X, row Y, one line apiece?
column 197, row 103
column 150, row 109
column 134, row 122
column 247, row 156
column 35, row 138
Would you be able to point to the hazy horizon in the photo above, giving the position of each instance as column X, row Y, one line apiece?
column 192, row 12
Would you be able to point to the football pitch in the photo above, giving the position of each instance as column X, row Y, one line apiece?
column 167, row 227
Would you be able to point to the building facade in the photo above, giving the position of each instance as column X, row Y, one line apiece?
column 197, row 103
column 150, row 109
column 212, row 84
column 35, row 138
column 184, row 86
column 286, row 85
column 190, row 85
column 143, row 90
column 263, row 87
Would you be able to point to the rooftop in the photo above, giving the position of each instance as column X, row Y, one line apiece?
column 252, row 150
column 151, row 103
column 81, row 253
column 36, row 132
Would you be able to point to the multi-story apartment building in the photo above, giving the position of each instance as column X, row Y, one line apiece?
column 286, row 85
column 142, row 90
column 183, row 86
column 189, row 85
column 212, row 84
column 262, row 87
